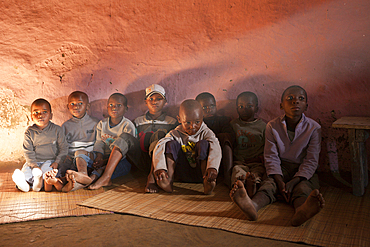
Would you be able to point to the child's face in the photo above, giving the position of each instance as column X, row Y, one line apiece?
column 209, row 107
column 41, row 115
column 78, row 105
column 191, row 120
column 294, row 102
column 116, row 107
column 155, row 103
column 246, row 107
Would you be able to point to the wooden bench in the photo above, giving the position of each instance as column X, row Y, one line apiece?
column 357, row 134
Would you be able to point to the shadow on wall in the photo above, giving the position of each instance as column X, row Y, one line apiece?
column 268, row 93
column 347, row 100
column 135, row 104
column 179, row 86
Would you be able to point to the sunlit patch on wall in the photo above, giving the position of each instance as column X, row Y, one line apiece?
column 13, row 122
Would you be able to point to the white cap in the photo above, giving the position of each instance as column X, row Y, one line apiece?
column 154, row 88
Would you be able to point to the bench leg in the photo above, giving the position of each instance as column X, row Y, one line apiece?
column 359, row 167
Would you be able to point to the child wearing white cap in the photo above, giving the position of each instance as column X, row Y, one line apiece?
column 153, row 126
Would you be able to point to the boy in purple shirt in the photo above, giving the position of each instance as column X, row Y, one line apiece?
column 291, row 155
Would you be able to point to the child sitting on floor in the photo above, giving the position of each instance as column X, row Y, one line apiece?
column 151, row 127
column 189, row 153
column 112, row 142
column 44, row 147
column 250, row 141
column 220, row 125
column 291, row 153
column 80, row 132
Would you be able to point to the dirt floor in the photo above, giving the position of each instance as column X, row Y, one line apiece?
column 121, row 230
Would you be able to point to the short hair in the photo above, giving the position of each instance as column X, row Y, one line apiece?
column 41, row 101
column 119, row 95
column 205, row 95
column 247, row 94
column 190, row 103
column 294, row 86
column 76, row 93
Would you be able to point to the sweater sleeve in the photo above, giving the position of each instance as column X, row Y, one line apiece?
column 28, row 148
column 311, row 160
column 130, row 128
column 99, row 144
column 271, row 153
column 215, row 153
column 159, row 159
column 62, row 145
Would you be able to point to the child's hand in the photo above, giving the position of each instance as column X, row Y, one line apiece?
column 211, row 174
column 54, row 165
column 157, row 174
column 290, row 186
column 281, row 186
column 98, row 162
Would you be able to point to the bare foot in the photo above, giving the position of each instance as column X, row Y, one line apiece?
column 313, row 204
column 251, row 184
column 93, row 177
column 50, row 179
column 208, row 186
column 70, row 184
column 80, row 177
column 242, row 178
column 78, row 186
column 51, row 174
column 164, row 182
column 102, row 181
column 151, row 186
column 239, row 196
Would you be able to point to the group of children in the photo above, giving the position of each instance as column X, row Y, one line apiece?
column 259, row 162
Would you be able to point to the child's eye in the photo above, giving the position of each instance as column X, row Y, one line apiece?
column 72, row 104
column 208, row 107
column 79, row 104
column 240, row 106
column 44, row 112
column 197, row 122
column 289, row 98
column 301, row 98
column 119, row 105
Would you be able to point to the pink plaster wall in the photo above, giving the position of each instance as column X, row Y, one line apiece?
column 51, row 48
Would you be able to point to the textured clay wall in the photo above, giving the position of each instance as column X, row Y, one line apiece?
column 51, row 48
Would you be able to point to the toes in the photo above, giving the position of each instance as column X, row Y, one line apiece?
column 239, row 184
column 315, row 192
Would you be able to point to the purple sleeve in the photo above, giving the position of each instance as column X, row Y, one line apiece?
column 271, row 153
column 311, row 161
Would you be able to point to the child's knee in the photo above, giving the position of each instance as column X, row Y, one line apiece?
column 202, row 144
column 120, row 145
column 202, row 149
column 159, row 134
column 173, row 148
column 81, row 152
